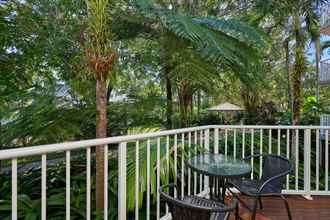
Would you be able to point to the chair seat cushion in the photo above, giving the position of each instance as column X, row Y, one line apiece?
column 195, row 200
column 251, row 187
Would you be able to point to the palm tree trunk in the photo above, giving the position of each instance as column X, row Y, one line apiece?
column 184, row 104
column 101, row 132
column 317, row 66
column 287, row 70
column 191, row 104
column 169, row 97
column 299, row 69
column 198, row 102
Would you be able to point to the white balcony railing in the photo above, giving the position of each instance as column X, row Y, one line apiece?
column 324, row 77
column 324, row 121
column 302, row 144
column 325, row 16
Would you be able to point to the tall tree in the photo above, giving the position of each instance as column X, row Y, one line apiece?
column 303, row 11
column 288, row 75
column 100, row 55
column 299, row 67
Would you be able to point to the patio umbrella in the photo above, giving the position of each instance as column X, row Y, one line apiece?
column 225, row 107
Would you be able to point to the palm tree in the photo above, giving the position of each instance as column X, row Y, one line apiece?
column 299, row 68
column 304, row 10
column 288, row 75
column 225, row 43
column 100, row 56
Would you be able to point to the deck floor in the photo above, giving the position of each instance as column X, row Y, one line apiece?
column 301, row 209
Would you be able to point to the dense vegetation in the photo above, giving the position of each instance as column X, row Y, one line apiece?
column 72, row 70
column 170, row 63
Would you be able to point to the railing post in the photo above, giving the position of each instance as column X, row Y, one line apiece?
column 307, row 163
column 207, row 148
column 216, row 140
column 122, row 181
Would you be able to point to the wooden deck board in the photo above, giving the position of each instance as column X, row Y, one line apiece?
column 301, row 209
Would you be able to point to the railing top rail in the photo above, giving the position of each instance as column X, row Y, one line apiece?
column 67, row 146
column 271, row 127
column 325, row 61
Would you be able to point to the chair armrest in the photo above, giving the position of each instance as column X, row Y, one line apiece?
column 252, row 156
column 273, row 178
column 171, row 185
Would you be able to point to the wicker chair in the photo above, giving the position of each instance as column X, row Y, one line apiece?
column 275, row 169
column 196, row 208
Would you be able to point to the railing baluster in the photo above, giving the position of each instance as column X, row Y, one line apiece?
column 297, row 158
column 182, row 165
column 137, row 183
column 14, row 189
column 278, row 141
column 43, row 187
column 201, row 176
column 158, row 178
column 195, row 174
column 216, row 140
column 207, row 149
column 234, row 143
column 122, row 173
column 105, row 212
column 148, row 179
column 175, row 163
column 226, row 142
column 261, row 151
column 252, row 151
column 317, row 165
column 307, row 162
column 67, row 185
column 167, row 163
column 189, row 170
column 287, row 155
column 88, row 183
column 243, row 143
column 270, row 141
column 327, row 160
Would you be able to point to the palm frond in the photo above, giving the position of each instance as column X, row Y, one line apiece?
column 236, row 29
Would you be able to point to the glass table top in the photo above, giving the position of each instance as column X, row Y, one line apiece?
column 219, row 165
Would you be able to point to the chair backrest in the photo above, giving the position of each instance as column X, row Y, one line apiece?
column 274, row 165
column 183, row 209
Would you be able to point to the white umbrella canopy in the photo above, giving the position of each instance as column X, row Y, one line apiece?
column 225, row 107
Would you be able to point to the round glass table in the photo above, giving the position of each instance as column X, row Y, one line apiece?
column 219, row 168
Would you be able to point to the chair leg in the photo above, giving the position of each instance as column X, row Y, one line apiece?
column 237, row 213
column 254, row 209
column 223, row 194
column 287, row 207
column 260, row 203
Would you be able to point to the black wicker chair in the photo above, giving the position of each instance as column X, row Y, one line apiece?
column 275, row 169
column 196, row 208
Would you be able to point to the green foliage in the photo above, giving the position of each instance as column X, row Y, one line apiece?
column 312, row 109
column 216, row 51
